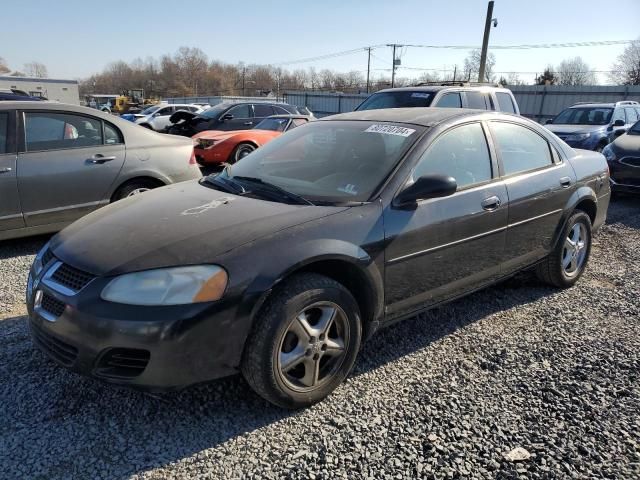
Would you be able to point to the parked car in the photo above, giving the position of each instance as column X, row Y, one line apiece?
column 213, row 146
column 448, row 95
column 623, row 157
column 13, row 94
column 592, row 126
column 59, row 162
column 226, row 116
column 156, row 117
column 280, row 265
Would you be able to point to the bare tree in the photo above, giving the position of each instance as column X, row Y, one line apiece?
column 4, row 68
column 36, row 69
column 626, row 69
column 471, row 67
column 575, row 71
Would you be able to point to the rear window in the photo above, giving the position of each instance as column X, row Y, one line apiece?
column 398, row 99
column 505, row 102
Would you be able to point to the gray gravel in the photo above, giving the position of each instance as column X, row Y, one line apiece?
column 516, row 381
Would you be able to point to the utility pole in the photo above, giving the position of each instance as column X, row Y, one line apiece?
column 485, row 40
column 394, row 65
column 244, row 71
column 368, row 66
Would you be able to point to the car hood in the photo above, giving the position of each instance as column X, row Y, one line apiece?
column 628, row 143
column 568, row 129
column 217, row 134
column 182, row 224
column 182, row 115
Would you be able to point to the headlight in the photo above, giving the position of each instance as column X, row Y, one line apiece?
column 37, row 262
column 168, row 286
column 578, row 137
column 205, row 142
column 608, row 153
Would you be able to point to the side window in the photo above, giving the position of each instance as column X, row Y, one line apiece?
column 263, row 110
column 54, row 131
column 462, row 153
column 4, row 131
column 521, row 149
column 281, row 111
column 632, row 116
column 450, row 100
column 297, row 122
column 505, row 103
column 165, row 111
column 618, row 114
column 112, row 135
column 241, row 111
column 476, row 100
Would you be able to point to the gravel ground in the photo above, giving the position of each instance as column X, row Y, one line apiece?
column 516, row 381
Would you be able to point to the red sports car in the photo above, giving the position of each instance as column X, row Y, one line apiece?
column 213, row 146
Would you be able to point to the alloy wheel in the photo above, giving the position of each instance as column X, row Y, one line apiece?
column 138, row 191
column 312, row 347
column 575, row 250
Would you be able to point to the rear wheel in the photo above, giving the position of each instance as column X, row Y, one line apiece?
column 241, row 151
column 304, row 343
column 567, row 262
column 135, row 187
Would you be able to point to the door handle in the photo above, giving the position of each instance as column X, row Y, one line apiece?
column 99, row 159
column 5, row 170
column 491, row 203
column 248, row 123
column 565, row 182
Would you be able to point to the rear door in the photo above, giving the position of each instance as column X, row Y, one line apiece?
column 262, row 111
column 66, row 163
column 539, row 184
column 242, row 118
column 161, row 118
column 10, row 211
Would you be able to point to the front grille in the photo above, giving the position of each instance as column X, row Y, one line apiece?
column 122, row 363
column 71, row 277
column 52, row 305
column 60, row 351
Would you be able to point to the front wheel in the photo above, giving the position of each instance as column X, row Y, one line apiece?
column 304, row 343
column 241, row 151
column 564, row 266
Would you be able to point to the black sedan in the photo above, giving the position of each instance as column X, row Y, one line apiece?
column 280, row 265
column 623, row 157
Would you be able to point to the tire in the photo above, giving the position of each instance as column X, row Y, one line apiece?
column 133, row 188
column 303, row 323
column 555, row 270
column 241, row 151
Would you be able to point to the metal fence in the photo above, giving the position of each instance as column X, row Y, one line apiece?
column 538, row 102
column 214, row 100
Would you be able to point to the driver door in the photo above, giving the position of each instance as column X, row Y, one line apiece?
column 242, row 118
column 444, row 247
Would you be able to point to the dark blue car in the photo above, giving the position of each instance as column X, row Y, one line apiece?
column 17, row 95
column 592, row 126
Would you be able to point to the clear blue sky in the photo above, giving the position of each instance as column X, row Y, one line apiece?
column 77, row 38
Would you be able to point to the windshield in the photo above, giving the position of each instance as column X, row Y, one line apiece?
column 275, row 124
column 399, row 99
column 330, row 161
column 584, row 116
column 213, row 111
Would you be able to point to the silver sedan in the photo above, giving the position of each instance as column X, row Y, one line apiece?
column 59, row 162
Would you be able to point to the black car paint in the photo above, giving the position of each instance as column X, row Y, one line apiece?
column 398, row 259
column 625, row 167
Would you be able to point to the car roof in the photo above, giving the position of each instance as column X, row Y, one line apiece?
column 424, row 116
column 594, row 105
column 437, row 88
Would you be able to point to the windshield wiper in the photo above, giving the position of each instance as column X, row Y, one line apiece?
column 225, row 183
column 274, row 189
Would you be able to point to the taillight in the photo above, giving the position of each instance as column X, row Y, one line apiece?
column 192, row 160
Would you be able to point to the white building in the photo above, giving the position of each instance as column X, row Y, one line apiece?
column 63, row 91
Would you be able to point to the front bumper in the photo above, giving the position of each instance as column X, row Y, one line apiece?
column 150, row 348
column 208, row 156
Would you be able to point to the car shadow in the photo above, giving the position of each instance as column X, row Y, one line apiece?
column 78, row 420
column 22, row 246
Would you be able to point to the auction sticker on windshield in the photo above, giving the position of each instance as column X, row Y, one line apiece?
column 391, row 130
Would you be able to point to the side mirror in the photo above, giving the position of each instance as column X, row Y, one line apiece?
column 427, row 186
column 618, row 123
column 617, row 133
column 549, row 120
column 226, row 116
